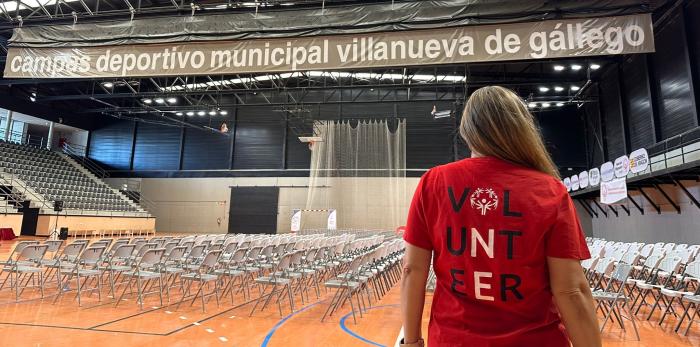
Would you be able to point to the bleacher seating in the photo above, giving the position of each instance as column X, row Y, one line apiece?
column 56, row 179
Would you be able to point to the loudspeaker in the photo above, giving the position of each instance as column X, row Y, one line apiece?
column 58, row 206
column 63, row 235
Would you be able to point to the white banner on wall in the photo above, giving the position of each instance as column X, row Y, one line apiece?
column 296, row 220
column 574, row 182
column 583, row 179
column 613, row 191
column 567, row 183
column 622, row 166
column 593, row 177
column 607, row 171
column 639, row 160
column 332, row 220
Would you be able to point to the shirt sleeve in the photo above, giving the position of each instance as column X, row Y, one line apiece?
column 565, row 238
column 417, row 228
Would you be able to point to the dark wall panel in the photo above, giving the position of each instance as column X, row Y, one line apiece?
column 428, row 141
column 260, row 138
column 111, row 144
column 206, row 150
column 595, row 140
column 674, row 89
column 611, row 109
column 253, row 210
column 563, row 133
column 640, row 114
column 692, row 17
column 298, row 153
column 157, row 147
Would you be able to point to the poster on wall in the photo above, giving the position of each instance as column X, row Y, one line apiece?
column 332, row 220
column 594, row 177
column 622, row 166
column 583, row 179
column 296, row 220
column 567, row 184
column 607, row 171
column 574, row 182
column 613, row 191
column 639, row 160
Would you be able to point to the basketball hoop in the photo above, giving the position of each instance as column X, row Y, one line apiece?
column 311, row 145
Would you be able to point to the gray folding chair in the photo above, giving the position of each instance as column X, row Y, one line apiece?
column 204, row 275
column 145, row 274
column 28, row 263
column 278, row 283
column 85, row 270
column 609, row 299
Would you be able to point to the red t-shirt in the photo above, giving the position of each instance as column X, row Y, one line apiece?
column 491, row 226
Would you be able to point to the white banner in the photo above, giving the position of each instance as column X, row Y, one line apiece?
column 567, row 183
column 622, row 166
column 574, row 182
column 332, row 220
column 583, row 179
column 613, row 191
column 593, row 177
column 607, row 171
column 639, row 160
column 296, row 220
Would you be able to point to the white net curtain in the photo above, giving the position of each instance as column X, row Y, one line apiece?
column 359, row 169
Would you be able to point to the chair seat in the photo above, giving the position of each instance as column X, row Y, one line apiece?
column 270, row 280
column 645, row 285
column 229, row 272
column 173, row 270
column 200, row 277
column 674, row 293
column 341, row 284
column 120, row 268
column 609, row 296
column 143, row 274
column 692, row 298
column 26, row 269
column 82, row 272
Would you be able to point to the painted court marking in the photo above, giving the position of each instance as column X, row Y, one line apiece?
column 356, row 335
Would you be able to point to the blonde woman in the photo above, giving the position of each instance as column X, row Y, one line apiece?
column 504, row 238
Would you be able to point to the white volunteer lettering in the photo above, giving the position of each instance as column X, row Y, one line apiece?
column 478, row 285
column 486, row 246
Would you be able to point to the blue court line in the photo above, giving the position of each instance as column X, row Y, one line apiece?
column 354, row 334
column 279, row 324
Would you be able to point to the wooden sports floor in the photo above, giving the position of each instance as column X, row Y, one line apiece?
column 37, row 322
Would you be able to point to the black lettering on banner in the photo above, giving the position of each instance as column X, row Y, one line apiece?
column 462, row 241
column 512, row 287
column 455, row 205
column 506, row 206
column 511, row 234
column 456, row 282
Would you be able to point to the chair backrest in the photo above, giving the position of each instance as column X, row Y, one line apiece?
column 693, row 269
column 216, row 246
column 33, row 252
column 630, row 258
column 311, row 255
column 21, row 246
column 669, row 246
column 104, row 244
column 267, row 251
column 177, row 253
column 170, row 245
column 123, row 251
column 92, row 255
column 118, row 243
column 230, row 247
column 198, row 251
column 296, row 257
column 152, row 257
column 618, row 253
column 670, row 264
column 72, row 250
column 211, row 259
column 254, row 252
column 54, row 245
column 238, row 256
column 646, row 250
column 605, row 266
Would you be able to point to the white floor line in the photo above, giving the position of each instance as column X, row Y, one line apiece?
column 209, row 330
column 223, row 339
column 398, row 338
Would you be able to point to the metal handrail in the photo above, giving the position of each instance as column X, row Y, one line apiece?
column 23, row 188
column 145, row 203
column 78, row 153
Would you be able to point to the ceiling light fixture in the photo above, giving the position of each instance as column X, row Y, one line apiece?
column 544, row 89
column 576, row 67
column 147, row 101
column 532, row 105
column 108, row 85
column 159, row 101
column 223, row 112
column 545, row 104
column 178, row 114
column 559, row 67
column 201, row 113
column 558, row 89
column 172, row 100
column 212, row 113
column 190, row 113
column 575, row 88
column 595, row 66
column 560, row 104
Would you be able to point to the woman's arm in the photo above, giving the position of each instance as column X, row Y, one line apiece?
column 416, row 265
column 573, row 297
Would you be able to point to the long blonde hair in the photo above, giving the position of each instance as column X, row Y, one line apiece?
column 496, row 123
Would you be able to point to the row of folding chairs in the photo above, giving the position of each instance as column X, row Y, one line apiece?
column 666, row 279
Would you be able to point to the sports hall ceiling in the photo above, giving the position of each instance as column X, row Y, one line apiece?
column 172, row 98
